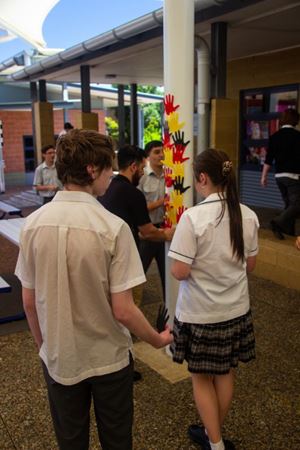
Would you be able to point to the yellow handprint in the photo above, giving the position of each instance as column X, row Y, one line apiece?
column 168, row 157
column 176, row 200
column 173, row 122
column 171, row 215
column 178, row 170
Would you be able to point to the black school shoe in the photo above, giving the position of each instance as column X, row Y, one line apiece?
column 198, row 435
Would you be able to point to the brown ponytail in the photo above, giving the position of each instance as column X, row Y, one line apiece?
column 217, row 165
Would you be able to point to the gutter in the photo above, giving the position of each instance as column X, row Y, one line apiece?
column 135, row 27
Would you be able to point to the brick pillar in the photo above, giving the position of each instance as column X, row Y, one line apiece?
column 224, row 127
column 44, row 126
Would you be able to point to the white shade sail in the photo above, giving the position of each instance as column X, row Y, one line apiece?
column 25, row 19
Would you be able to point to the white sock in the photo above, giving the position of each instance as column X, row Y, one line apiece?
column 217, row 445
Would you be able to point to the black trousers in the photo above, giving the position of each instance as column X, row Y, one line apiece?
column 150, row 250
column 290, row 192
column 112, row 396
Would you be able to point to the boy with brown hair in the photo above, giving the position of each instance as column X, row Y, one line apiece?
column 77, row 265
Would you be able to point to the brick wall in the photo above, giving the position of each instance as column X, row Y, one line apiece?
column 16, row 124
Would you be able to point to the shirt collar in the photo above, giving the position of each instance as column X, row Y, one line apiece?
column 75, row 196
column 149, row 171
column 287, row 126
column 44, row 166
column 212, row 198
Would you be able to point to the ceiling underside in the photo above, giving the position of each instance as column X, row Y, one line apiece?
column 264, row 27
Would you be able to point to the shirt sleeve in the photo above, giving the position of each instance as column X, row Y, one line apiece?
column 38, row 179
column 25, row 269
column 184, row 243
column 251, row 236
column 126, row 270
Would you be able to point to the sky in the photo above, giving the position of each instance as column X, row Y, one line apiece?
column 72, row 21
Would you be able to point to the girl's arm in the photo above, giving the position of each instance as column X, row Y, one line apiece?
column 180, row 270
column 251, row 262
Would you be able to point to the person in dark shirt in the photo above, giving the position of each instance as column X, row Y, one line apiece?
column 284, row 149
column 123, row 199
column 126, row 201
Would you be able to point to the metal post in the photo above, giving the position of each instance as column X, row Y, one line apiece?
column 34, row 98
column 85, row 89
column 134, row 140
column 218, row 59
column 42, row 91
column 121, row 115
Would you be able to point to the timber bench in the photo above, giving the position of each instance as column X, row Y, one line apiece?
column 8, row 209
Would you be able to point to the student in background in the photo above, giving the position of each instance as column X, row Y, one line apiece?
column 67, row 127
column 284, row 150
column 152, row 185
column 45, row 180
column 213, row 249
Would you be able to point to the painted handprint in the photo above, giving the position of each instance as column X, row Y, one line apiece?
column 168, row 177
column 178, row 185
column 176, row 199
column 167, row 140
column 178, row 138
column 168, row 157
column 173, row 122
column 178, row 154
column 169, row 104
column 179, row 213
column 178, row 170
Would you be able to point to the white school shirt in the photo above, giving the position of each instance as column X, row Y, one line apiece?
column 153, row 187
column 217, row 288
column 45, row 175
column 74, row 254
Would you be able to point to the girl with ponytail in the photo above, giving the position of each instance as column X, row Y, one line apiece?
column 214, row 246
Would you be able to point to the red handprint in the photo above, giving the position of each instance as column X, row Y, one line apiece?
column 167, row 223
column 178, row 152
column 169, row 104
column 179, row 212
column 167, row 139
column 168, row 177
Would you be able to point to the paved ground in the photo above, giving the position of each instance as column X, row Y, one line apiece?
column 265, row 410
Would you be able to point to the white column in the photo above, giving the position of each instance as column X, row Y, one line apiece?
column 179, row 17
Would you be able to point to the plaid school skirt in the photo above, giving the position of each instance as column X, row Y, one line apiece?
column 216, row 347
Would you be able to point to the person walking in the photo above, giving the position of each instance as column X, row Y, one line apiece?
column 284, row 149
column 152, row 185
column 213, row 249
column 77, row 265
column 45, row 180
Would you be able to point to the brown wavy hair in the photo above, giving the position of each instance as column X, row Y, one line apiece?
column 79, row 148
column 217, row 165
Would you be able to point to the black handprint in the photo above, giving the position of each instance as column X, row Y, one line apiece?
column 178, row 138
column 178, row 184
column 162, row 318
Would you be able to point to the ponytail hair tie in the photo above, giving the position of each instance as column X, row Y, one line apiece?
column 226, row 168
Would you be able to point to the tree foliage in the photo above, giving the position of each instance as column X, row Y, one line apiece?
column 152, row 117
